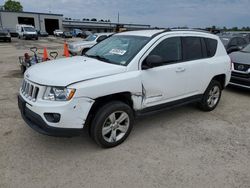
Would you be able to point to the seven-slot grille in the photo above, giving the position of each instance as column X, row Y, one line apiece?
column 241, row 67
column 29, row 90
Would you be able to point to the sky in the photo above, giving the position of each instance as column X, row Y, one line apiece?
column 157, row 13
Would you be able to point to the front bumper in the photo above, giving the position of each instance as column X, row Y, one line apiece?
column 37, row 123
column 31, row 36
column 5, row 38
column 74, row 51
column 240, row 79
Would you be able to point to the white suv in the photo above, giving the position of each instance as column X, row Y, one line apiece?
column 127, row 75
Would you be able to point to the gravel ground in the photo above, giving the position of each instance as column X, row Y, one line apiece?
column 183, row 147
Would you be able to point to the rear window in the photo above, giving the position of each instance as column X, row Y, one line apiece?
column 192, row 48
column 211, row 45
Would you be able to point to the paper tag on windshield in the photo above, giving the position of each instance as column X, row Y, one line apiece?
column 117, row 51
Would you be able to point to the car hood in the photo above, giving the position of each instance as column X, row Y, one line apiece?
column 63, row 72
column 82, row 43
column 240, row 57
column 30, row 32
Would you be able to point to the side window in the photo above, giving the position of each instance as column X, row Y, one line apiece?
column 211, row 46
column 192, row 48
column 169, row 50
column 241, row 41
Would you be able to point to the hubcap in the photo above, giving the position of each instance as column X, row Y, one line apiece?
column 115, row 126
column 213, row 96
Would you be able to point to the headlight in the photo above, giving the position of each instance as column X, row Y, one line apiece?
column 58, row 94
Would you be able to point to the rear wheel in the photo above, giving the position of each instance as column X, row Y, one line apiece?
column 211, row 96
column 112, row 124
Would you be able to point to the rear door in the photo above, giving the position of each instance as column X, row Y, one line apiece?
column 196, row 63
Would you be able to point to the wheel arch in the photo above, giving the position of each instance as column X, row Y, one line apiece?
column 125, row 97
column 221, row 78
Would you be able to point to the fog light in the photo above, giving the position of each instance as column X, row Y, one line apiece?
column 52, row 117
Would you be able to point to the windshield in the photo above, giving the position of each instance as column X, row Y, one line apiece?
column 246, row 49
column 91, row 38
column 119, row 49
column 29, row 29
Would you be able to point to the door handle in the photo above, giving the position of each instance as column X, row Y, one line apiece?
column 180, row 69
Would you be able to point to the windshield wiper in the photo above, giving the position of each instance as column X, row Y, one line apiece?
column 99, row 58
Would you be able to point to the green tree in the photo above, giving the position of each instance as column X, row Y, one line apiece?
column 12, row 5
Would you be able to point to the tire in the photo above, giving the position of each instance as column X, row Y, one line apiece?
column 211, row 97
column 109, row 134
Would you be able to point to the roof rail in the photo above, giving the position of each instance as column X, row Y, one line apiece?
column 195, row 30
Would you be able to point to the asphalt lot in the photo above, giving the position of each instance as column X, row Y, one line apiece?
column 183, row 147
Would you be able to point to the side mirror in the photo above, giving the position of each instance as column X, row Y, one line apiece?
column 152, row 61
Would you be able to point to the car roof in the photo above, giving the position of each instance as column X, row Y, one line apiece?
column 154, row 32
column 144, row 33
column 98, row 34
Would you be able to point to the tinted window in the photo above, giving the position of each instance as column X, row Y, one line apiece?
column 211, row 46
column 169, row 50
column 233, row 42
column 241, row 41
column 192, row 48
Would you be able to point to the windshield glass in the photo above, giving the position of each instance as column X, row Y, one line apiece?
column 91, row 38
column 29, row 29
column 119, row 49
column 246, row 49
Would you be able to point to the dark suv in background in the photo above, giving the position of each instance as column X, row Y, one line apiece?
column 233, row 43
column 5, row 36
column 241, row 68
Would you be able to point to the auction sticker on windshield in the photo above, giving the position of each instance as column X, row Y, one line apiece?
column 117, row 51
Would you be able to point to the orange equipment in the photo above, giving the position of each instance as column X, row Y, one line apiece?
column 66, row 50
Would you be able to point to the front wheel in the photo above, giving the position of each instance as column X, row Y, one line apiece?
column 112, row 124
column 211, row 96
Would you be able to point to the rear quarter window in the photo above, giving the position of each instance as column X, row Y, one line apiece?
column 211, row 45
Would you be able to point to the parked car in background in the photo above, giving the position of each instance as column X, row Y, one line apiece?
column 26, row 32
column 80, row 47
column 77, row 33
column 67, row 34
column 5, row 36
column 43, row 34
column 127, row 75
column 85, row 34
column 13, row 32
column 241, row 68
column 233, row 43
column 58, row 33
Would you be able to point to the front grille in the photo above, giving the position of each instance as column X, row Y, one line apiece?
column 3, row 34
column 240, row 75
column 241, row 67
column 29, row 90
